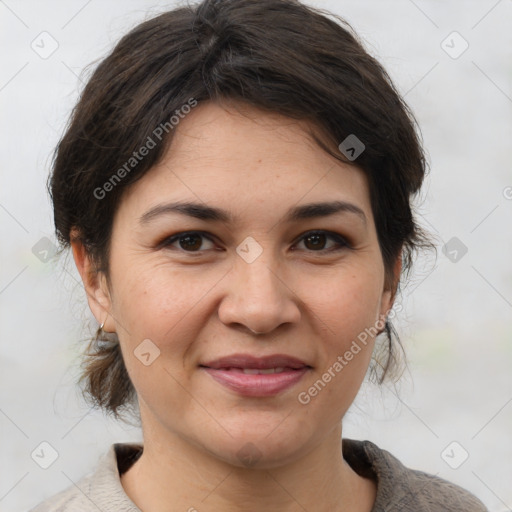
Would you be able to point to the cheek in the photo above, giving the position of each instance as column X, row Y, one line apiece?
column 348, row 314
column 172, row 307
column 348, row 304
column 163, row 305
column 147, row 297
column 166, row 308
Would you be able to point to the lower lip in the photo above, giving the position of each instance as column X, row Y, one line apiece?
column 258, row 385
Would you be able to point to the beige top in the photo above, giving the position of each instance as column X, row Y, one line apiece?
column 398, row 488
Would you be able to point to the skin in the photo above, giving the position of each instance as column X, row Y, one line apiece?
column 294, row 299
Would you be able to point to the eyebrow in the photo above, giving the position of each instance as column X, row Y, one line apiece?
column 210, row 213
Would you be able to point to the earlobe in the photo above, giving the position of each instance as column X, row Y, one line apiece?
column 95, row 285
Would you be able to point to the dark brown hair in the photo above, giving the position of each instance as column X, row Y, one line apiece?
column 277, row 55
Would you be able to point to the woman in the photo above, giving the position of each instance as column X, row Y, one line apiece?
column 235, row 185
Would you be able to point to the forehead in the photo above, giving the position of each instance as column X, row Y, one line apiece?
column 237, row 156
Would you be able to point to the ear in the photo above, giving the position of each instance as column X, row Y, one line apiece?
column 95, row 285
column 390, row 287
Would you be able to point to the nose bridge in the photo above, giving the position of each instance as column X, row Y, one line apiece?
column 257, row 296
column 257, row 265
column 259, row 280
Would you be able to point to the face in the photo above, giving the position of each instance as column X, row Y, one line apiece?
column 249, row 274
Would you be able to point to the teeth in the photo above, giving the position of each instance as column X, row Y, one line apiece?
column 250, row 371
column 255, row 371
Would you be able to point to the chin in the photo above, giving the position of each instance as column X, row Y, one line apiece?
column 256, row 448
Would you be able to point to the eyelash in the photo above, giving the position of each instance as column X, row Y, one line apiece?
column 340, row 240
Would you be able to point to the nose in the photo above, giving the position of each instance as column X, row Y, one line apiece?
column 258, row 298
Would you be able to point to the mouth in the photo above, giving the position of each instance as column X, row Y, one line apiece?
column 252, row 376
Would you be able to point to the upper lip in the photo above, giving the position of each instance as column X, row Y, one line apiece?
column 258, row 363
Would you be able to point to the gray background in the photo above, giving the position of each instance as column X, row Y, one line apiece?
column 456, row 321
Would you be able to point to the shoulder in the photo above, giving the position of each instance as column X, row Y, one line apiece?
column 70, row 498
column 100, row 489
column 402, row 488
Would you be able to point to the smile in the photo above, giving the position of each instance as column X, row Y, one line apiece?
column 256, row 376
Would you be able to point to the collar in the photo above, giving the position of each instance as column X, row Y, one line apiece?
column 398, row 487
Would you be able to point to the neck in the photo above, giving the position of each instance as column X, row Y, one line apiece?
column 178, row 473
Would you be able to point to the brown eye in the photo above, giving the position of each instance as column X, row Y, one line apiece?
column 188, row 242
column 316, row 241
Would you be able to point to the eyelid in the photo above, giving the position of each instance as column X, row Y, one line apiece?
column 342, row 241
column 168, row 240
